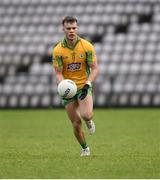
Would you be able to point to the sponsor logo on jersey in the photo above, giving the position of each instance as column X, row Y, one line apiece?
column 74, row 66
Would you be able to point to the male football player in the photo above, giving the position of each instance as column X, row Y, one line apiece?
column 74, row 58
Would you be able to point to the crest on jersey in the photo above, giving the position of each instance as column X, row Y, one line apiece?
column 81, row 55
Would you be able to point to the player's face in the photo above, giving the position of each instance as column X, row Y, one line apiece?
column 70, row 30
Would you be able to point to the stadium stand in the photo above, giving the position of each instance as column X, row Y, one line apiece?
column 126, row 38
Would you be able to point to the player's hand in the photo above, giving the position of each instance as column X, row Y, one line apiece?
column 84, row 92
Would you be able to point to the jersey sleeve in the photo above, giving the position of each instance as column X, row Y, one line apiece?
column 56, row 58
column 90, row 53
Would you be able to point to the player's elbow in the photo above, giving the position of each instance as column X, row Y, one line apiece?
column 96, row 70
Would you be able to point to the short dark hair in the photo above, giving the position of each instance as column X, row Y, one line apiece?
column 69, row 19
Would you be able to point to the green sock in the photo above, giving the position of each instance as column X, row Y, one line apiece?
column 84, row 145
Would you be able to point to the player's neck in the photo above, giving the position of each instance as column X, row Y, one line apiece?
column 71, row 42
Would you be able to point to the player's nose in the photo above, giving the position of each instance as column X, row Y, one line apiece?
column 72, row 30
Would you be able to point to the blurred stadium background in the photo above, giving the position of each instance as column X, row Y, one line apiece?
column 126, row 36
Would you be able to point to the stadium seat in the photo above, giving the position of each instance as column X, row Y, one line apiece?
column 126, row 39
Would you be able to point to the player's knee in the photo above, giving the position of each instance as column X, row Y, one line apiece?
column 87, row 115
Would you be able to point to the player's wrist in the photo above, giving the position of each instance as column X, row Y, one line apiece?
column 89, row 83
column 86, row 87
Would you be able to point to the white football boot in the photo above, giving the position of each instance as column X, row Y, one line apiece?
column 85, row 152
column 91, row 126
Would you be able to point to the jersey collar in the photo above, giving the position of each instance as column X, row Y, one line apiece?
column 64, row 42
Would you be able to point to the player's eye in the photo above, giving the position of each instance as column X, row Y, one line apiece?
column 71, row 28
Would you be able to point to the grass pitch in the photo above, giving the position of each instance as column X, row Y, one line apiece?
column 40, row 144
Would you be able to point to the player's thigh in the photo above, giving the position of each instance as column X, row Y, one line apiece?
column 86, row 106
column 72, row 112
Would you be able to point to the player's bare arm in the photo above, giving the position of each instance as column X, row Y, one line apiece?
column 59, row 76
column 91, row 78
column 94, row 71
